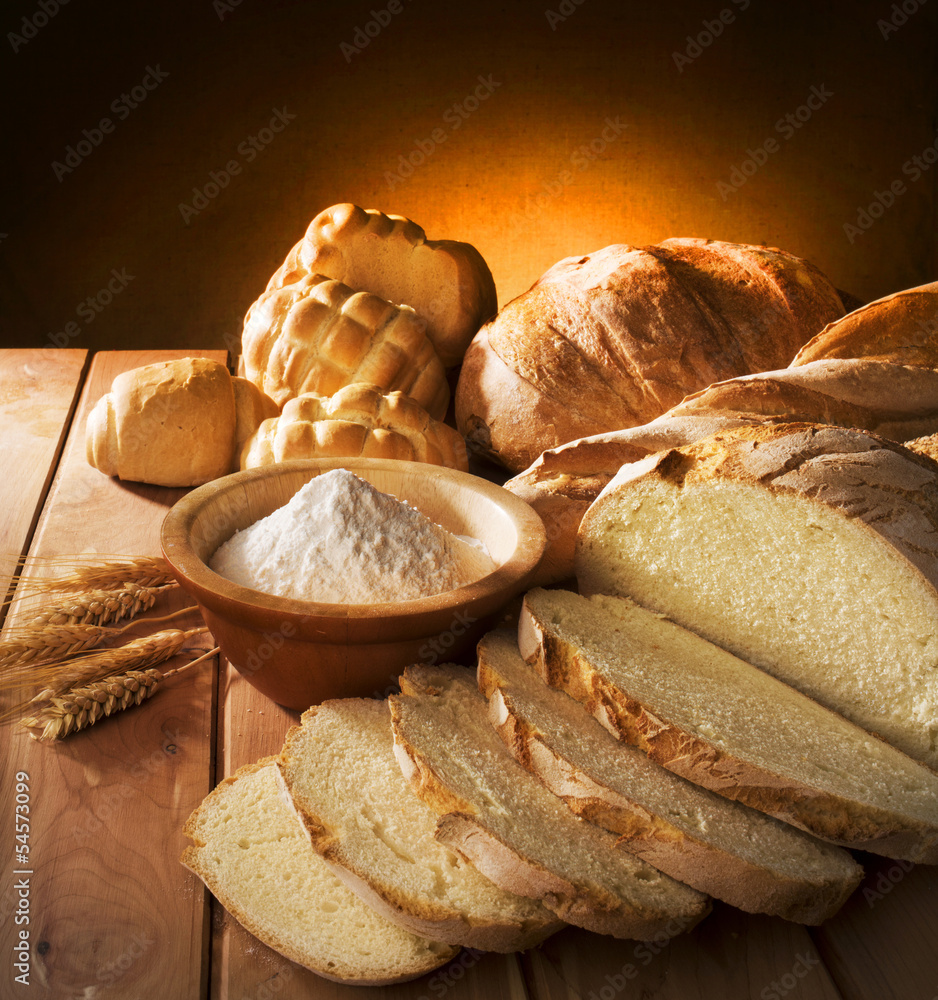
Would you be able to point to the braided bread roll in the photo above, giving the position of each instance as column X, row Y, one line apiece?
column 318, row 335
column 359, row 420
column 447, row 282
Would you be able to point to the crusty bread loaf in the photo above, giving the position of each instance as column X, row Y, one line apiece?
column 723, row 723
column 811, row 551
column 500, row 817
column 318, row 335
column 172, row 423
column 718, row 846
column 892, row 400
column 615, row 338
column 901, row 328
column 360, row 420
column 378, row 837
column 448, row 283
column 251, row 851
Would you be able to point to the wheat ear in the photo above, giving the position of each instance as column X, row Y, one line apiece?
column 99, row 607
column 138, row 654
column 83, row 703
column 84, row 706
column 33, row 645
column 110, row 574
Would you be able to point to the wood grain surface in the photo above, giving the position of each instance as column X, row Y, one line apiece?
column 38, row 390
column 111, row 911
column 114, row 915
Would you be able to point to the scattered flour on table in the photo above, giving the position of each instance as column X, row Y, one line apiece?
column 341, row 541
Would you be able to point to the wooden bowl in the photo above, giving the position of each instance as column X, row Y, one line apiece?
column 300, row 653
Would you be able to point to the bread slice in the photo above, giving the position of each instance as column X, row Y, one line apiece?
column 808, row 550
column 378, row 837
column 512, row 828
column 251, row 852
column 723, row 723
column 720, row 847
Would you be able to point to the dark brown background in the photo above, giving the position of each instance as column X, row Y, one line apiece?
column 488, row 182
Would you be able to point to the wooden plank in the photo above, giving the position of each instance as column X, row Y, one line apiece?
column 881, row 945
column 111, row 911
column 729, row 956
column 38, row 390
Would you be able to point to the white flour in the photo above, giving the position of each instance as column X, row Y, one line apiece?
column 341, row 541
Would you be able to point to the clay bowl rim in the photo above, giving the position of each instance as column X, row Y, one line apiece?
column 251, row 605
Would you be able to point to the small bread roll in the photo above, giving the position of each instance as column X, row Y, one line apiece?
column 173, row 423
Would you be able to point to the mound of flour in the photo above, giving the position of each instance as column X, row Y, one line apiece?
column 341, row 541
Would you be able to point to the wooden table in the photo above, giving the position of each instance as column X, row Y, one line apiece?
column 111, row 912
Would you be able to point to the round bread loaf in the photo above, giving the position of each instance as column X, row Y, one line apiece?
column 614, row 338
column 895, row 401
column 901, row 328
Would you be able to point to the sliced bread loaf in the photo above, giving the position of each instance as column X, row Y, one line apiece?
column 251, row 852
column 723, row 723
column 378, row 837
column 723, row 848
column 512, row 828
column 808, row 550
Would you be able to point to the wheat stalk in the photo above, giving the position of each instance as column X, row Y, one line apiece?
column 84, row 706
column 39, row 644
column 106, row 683
column 110, row 574
column 99, row 607
column 145, row 651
